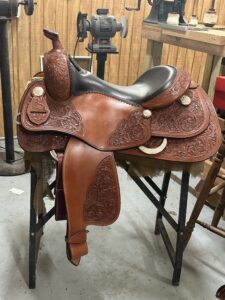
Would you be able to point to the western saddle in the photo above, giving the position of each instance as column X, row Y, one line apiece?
column 87, row 122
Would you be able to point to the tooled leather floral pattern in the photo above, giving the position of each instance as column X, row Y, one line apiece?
column 57, row 76
column 102, row 199
column 62, row 117
column 129, row 131
column 193, row 149
column 178, row 119
column 40, row 142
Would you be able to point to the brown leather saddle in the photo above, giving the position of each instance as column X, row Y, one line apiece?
column 163, row 115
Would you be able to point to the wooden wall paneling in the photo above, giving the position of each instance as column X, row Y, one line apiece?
column 110, row 5
column 114, row 59
column 85, row 7
column 135, row 44
column 172, row 57
column 221, row 13
column 188, row 61
column 95, row 5
column 73, row 8
column 49, row 20
column 165, row 54
column 203, row 72
column 14, row 71
column 197, row 65
column 125, row 49
column 188, row 9
column 61, row 24
column 142, row 56
column 24, row 51
column 36, row 37
column 181, row 54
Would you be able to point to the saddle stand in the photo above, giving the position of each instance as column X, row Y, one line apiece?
column 175, row 253
column 92, row 125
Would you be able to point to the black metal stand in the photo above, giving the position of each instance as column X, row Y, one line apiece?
column 8, row 165
column 176, row 256
column 101, row 60
column 36, row 231
column 101, row 57
column 6, row 91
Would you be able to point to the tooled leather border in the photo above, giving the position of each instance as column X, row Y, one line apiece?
column 177, row 121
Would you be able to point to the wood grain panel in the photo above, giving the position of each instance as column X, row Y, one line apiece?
column 26, row 41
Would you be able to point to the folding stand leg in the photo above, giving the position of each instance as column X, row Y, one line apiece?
column 32, row 238
column 162, row 201
column 181, row 227
column 219, row 210
column 176, row 255
column 36, row 230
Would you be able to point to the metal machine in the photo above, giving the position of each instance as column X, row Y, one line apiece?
column 9, row 8
column 102, row 28
column 161, row 9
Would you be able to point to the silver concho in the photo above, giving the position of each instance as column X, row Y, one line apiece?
column 38, row 91
column 147, row 113
column 185, row 100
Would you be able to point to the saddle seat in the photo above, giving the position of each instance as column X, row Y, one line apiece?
column 151, row 84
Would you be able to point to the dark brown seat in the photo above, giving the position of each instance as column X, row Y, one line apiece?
column 152, row 83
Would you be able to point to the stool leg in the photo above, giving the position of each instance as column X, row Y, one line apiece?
column 209, row 181
column 32, row 232
column 219, row 210
column 181, row 226
column 162, row 200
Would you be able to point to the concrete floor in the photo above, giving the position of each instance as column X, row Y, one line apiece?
column 125, row 261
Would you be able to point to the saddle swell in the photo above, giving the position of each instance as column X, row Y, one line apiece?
column 163, row 115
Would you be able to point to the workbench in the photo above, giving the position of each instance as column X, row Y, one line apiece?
column 211, row 42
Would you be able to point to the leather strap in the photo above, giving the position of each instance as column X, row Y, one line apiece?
column 60, row 206
column 91, row 193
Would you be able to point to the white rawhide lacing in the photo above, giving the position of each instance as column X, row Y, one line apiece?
column 156, row 150
column 54, row 155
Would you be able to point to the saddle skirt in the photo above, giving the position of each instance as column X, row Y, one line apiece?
column 163, row 115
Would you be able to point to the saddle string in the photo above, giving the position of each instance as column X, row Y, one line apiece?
column 54, row 155
column 154, row 151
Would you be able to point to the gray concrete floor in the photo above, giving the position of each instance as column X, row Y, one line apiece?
column 125, row 261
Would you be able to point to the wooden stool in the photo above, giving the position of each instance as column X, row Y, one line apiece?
column 208, row 189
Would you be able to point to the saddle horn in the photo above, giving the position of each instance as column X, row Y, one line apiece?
column 54, row 37
column 56, row 69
